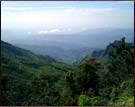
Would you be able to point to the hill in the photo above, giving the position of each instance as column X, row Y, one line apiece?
column 21, row 67
column 67, row 48
column 59, row 53
column 103, row 53
column 9, row 50
column 31, row 79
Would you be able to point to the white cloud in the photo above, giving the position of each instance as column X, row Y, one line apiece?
column 124, row 1
column 84, row 28
column 54, row 30
column 64, row 18
column 43, row 32
column 29, row 33
column 48, row 31
column 86, row 11
column 68, row 29
column 16, row 8
column 67, row 10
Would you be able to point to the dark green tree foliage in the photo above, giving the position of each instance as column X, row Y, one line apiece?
column 121, row 61
column 119, row 72
column 86, row 77
column 30, row 79
column 71, row 82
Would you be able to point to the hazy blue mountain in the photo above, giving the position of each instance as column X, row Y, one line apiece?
column 97, row 53
column 15, row 59
column 102, row 53
column 93, row 38
column 60, row 54
column 67, row 47
column 10, row 51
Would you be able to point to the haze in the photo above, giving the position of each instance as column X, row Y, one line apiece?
column 65, row 16
column 66, row 30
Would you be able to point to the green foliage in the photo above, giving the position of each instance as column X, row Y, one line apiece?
column 121, row 61
column 125, row 101
column 63, row 88
column 86, row 76
column 117, row 81
column 30, row 79
column 90, row 101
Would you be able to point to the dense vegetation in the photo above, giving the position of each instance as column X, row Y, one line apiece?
column 30, row 79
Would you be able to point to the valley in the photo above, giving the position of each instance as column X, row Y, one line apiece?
column 67, row 53
column 46, row 81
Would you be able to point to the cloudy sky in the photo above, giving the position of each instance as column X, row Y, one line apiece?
column 64, row 16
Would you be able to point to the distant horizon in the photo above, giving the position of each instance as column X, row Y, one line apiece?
column 66, row 16
column 72, row 22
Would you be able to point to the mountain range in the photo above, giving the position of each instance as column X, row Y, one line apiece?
column 33, row 79
column 68, row 48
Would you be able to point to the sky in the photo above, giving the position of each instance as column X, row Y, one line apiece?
column 44, row 17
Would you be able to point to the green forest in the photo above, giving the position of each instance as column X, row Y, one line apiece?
column 31, row 79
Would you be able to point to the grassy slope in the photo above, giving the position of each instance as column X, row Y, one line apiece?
column 20, row 63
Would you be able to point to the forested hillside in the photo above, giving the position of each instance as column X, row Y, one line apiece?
column 31, row 79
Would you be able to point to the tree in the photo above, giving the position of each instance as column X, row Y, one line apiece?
column 86, row 77
column 119, row 72
column 121, row 61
